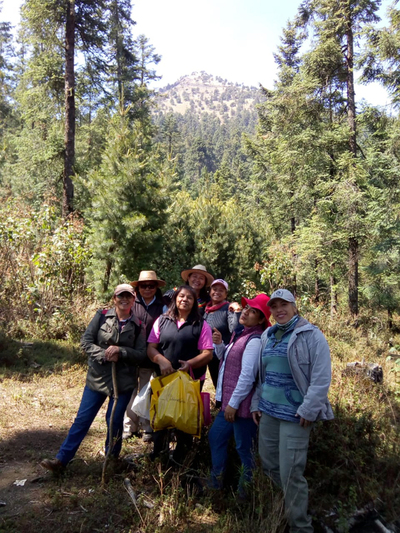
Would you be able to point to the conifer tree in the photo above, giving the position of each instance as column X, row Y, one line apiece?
column 51, row 33
column 128, row 206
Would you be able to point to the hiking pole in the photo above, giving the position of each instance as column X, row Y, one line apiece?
column 110, row 428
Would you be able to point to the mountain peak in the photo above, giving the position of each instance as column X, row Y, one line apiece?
column 201, row 93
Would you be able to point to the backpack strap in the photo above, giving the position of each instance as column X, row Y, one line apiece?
column 138, row 327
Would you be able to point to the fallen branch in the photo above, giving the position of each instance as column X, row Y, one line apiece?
column 130, row 491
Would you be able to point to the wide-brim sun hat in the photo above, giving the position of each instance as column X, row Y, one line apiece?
column 201, row 269
column 148, row 275
column 260, row 302
column 282, row 294
column 124, row 287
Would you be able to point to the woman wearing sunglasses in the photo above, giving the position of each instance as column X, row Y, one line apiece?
column 147, row 308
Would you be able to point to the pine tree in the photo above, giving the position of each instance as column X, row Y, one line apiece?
column 52, row 32
column 128, row 207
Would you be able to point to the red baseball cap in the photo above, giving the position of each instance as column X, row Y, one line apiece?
column 260, row 302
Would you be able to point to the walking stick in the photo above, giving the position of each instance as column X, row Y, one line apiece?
column 110, row 428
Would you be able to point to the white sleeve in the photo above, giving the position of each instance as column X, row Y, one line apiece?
column 248, row 374
column 219, row 349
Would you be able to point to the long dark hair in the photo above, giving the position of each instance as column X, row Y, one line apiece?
column 173, row 312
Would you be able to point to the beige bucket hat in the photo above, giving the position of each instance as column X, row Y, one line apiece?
column 201, row 269
column 148, row 275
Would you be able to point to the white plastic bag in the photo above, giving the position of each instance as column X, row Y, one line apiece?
column 141, row 403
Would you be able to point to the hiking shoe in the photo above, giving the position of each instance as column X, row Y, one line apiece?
column 54, row 465
column 130, row 434
column 147, row 437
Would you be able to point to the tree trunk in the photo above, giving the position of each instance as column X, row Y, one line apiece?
column 334, row 298
column 353, row 276
column 351, row 95
column 69, row 139
column 351, row 117
column 317, row 281
column 390, row 319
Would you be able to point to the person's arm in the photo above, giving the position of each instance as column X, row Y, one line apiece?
column 233, row 315
column 248, row 374
column 89, row 339
column 218, row 344
column 137, row 353
column 152, row 350
column 320, row 380
column 205, row 344
column 156, row 357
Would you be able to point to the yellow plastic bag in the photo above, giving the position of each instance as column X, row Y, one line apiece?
column 176, row 403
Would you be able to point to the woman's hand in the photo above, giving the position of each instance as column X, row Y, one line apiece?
column 256, row 417
column 185, row 367
column 165, row 366
column 234, row 307
column 216, row 336
column 303, row 422
column 230, row 413
column 112, row 354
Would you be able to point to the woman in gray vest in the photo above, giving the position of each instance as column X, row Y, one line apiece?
column 218, row 316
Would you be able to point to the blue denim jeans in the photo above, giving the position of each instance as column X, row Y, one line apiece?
column 244, row 430
column 88, row 409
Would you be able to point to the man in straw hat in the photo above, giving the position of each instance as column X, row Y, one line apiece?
column 147, row 308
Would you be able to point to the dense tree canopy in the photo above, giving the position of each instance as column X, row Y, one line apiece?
column 301, row 190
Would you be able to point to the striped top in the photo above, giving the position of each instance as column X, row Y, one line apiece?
column 280, row 397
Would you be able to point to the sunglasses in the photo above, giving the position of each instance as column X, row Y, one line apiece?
column 125, row 295
column 147, row 286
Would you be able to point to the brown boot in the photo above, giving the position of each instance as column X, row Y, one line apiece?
column 54, row 465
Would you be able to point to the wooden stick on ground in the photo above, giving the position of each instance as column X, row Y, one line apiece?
column 132, row 495
column 110, row 428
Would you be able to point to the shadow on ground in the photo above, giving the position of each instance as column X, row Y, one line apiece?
column 22, row 359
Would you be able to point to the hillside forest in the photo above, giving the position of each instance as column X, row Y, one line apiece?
column 102, row 176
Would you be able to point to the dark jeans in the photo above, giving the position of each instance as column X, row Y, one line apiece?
column 88, row 409
column 213, row 367
column 244, row 430
column 184, row 444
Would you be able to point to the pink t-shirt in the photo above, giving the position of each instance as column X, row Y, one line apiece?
column 205, row 339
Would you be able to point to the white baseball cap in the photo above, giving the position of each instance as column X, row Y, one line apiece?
column 282, row 294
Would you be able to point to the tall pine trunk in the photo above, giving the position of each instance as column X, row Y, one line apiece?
column 69, row 138
column 351, row 116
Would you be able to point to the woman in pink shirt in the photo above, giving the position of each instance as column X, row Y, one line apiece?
column 180, row 340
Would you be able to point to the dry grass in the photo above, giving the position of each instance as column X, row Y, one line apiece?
column 352, row 461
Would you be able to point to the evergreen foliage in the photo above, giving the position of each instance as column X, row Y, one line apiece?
column 265, row 187
column 128, row 203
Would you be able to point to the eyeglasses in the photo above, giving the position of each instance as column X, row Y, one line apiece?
column 125, row 295
column 147, row 286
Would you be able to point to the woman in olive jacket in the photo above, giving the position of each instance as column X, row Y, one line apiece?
column 113, row 336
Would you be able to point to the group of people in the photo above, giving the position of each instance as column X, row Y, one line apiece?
column 270, row 381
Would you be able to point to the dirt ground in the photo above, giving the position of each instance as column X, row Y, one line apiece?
column 35, row 415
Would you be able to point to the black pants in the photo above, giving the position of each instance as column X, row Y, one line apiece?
column 184, row 444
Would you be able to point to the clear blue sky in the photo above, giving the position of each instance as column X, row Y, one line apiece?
column 234, row 39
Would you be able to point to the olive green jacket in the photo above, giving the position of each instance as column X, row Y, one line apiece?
column 102, row 332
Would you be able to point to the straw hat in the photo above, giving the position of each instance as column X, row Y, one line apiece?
column 201, row 270
column 148, row 275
